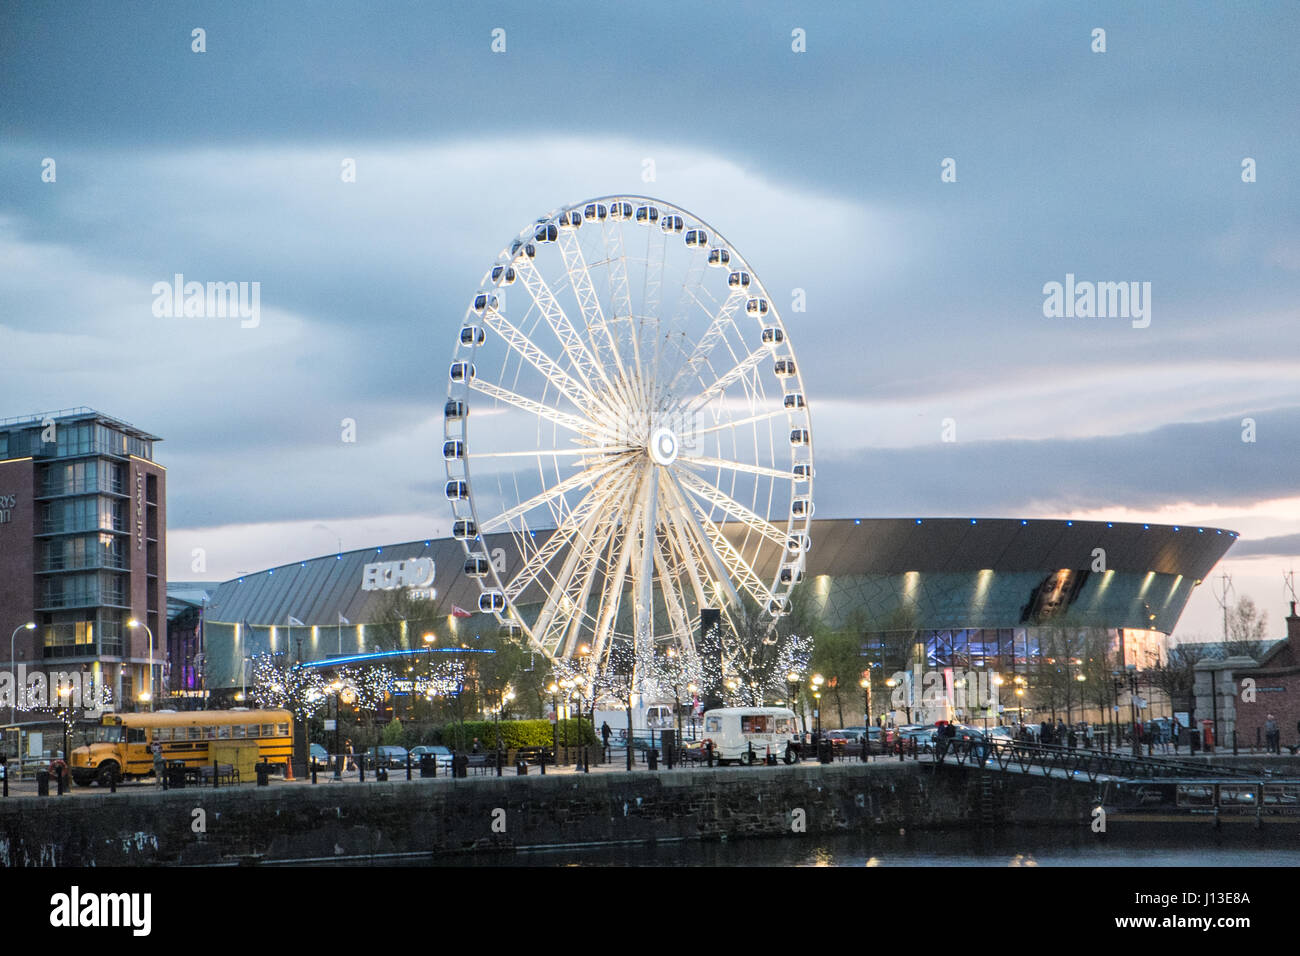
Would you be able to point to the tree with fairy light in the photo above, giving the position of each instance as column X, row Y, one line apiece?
column 281, row 685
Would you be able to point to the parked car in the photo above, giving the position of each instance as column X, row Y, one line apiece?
column 318, row 754
column 441, row 754
column 389, row 756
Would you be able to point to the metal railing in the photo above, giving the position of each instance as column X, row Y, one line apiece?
column 1027, row 758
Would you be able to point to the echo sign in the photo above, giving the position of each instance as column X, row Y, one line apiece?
column 391, row 575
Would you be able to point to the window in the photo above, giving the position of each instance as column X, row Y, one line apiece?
column 785, row 725
column 135, row 735
column 756, row 724
column 195, row 733
column 282, row 730
column 268, row 730
column 254, row 730
column 223, row 732
column 162, row 733
column 713, row 725
column 210, row 732
column 237, row 732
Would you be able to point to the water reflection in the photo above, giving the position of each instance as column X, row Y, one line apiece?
column 1026, row 848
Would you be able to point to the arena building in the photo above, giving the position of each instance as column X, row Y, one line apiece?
column 1011, row 596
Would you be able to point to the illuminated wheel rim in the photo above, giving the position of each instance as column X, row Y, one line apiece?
column 640, row 428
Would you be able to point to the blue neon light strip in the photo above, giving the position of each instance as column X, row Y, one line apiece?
column 380, row 655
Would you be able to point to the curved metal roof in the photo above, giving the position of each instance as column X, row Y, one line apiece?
column 318, row 590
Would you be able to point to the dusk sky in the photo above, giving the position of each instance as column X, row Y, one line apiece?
column 925, row 298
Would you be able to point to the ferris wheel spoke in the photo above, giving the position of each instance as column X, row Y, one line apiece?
column 700, row 462
column 579, row 394
column 536, row 563
column 689, row 514
column 594, row 317
column 582, row 426
column 557, row 593
column 677, row 616
column 581, row 451
column 571, row 483
column 612, row 595
column 721, row 499
column 736, row 373
column 721, row 321
column 691, row 560
column 736, row 423
column 588, row 570
column 737, row 567
column 587, row 368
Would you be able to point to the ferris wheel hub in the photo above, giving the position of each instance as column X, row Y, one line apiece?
column 663, row 446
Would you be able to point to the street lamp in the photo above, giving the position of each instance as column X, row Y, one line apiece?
column 13, row 707
column 555, row 724
column 817, row 681
column 148, row 695
column 865, row 683
column 338, row 761
column 64, row 713
column 693, row 688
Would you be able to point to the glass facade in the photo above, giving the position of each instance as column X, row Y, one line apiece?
column 82, row 521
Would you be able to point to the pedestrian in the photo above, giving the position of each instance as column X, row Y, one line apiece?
column 1176, row 734
column 1045, row 733
column 159, row 767
column 475, row 747
column 1272, row 735
column 348, row 762
column 605, row 732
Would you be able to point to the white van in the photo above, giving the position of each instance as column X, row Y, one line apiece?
column 769, row 729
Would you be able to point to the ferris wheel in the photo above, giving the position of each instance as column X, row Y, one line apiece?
column 625, row 402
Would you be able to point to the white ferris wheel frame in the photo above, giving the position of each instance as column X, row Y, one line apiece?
column 632, row 465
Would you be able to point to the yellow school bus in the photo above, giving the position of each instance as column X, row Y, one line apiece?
column 122, row 746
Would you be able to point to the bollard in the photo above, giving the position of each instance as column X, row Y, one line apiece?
column 586, row 765
column 652, row 759
column 498, row 762
column 4, row 777
column 61, row 780
column 1234, row 742
column 362, row 765
column 408, row 765
column 42, row 782
column 314, row 767
column 543, row 761
column 112, row 783
column 521, row 768
column 263, row 771
column 749, row 749
column 216, row 782
column 708, row 752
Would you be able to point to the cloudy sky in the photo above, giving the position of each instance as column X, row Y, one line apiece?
column 925, row 298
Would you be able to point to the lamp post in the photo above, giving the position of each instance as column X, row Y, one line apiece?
column 554, row 690
column 865, row 683
column 338, row 760
column 64, row 694
column 149, row 695
column 13, row 707
column 817, row 681
column 693, row 690
column 566, row 685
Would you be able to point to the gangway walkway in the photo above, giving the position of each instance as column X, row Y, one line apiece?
column 1032, row 757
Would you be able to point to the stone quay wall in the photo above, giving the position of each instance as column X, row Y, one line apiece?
column 392, row 820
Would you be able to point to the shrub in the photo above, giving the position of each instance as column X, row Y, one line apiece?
column 514, row 733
